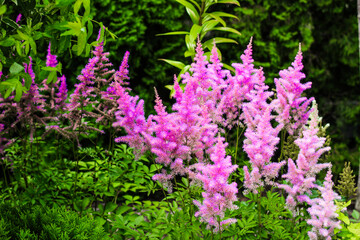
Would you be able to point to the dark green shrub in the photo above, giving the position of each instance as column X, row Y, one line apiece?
column 35, row 222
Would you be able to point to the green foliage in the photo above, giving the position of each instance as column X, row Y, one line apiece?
column 68, row 25
column 350, row 228
column 29, row 222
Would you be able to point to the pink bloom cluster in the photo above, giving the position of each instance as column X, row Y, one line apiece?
column 219, row 195
column 301, row 176
column 237, row 88
column 261, row 137
column 323, row 216
column 289, row 104
column 182, row 139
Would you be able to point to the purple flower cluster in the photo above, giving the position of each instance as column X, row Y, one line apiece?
column 302, row 174
column 291, row 107
column 219, row 195
column 323, row 211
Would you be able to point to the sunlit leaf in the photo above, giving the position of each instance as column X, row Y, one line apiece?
column 177, row 64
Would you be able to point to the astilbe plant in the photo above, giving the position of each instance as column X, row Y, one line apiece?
column 261, row 138
column 291, row 106
column 323, row 211
column 301, row 175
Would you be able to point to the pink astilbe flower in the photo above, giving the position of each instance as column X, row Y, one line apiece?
column 55, row 96
column 291, row 107
column 130, row 111
column 323, row 211
column 18, row 18
column 261, row 137
column 238, row 87
column 302, row 175
column 51, row 59
column 219, row 195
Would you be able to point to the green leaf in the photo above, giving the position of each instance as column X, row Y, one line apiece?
column 207, row 17
column 194, row 32
column 10, row 22
column 229, row 2
column 177, row 64
column 86, row 4
column 90, row 28
column 2, row 9
column 27, row 79
column 208, row 44
column 15, row 68
column 52, row 78
column 32, row 44
column 8, row 42
column 227, row 29
column 81, row 41
column 18, row 91
column 77, row 6
column 23, row 36
column 355, row 214
column 355, row 229
column 208, row 26
column 173, row 33
column 110, row 207
column 191, row 10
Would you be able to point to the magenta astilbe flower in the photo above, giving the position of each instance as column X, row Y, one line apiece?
column 238, row 87
column 323, row 211
column 219, row 195
column 2, row 139
column 61, row 95
column 18, row 18
column 302, row 175
column 292, row 109
column 51, row 59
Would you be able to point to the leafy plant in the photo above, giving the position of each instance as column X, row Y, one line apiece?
column 203, row 22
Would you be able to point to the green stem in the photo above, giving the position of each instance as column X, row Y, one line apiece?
column 259, row 210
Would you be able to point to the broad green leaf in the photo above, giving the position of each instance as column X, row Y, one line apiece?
column 196, row 4
column 10, row 22
column 355, row 229
column 110, row 207
column 173, row 33
column 8, row 42
column 32, row 44
column 23, row 36
column 77, row 6
column 216, row 17
column 223, row 14
column 355, row 214
column 232, row 69
column 210, row 42
column 191, row 10
column 2, row 9
column 86, row 4
column 189, row 53
column 227, row 29
column 194, row 32
column 208, row 26
column 81, row 41
column 15, row 68
column 52, row 78
column 177, row 64
column 18, row 91
column 90, row 28
column 190, row 44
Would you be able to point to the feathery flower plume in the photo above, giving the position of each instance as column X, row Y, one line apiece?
column 323, row 211
column 219, row 195
column 302, row 174
column 292, row 109
column 261, row 137
column 238, row 87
